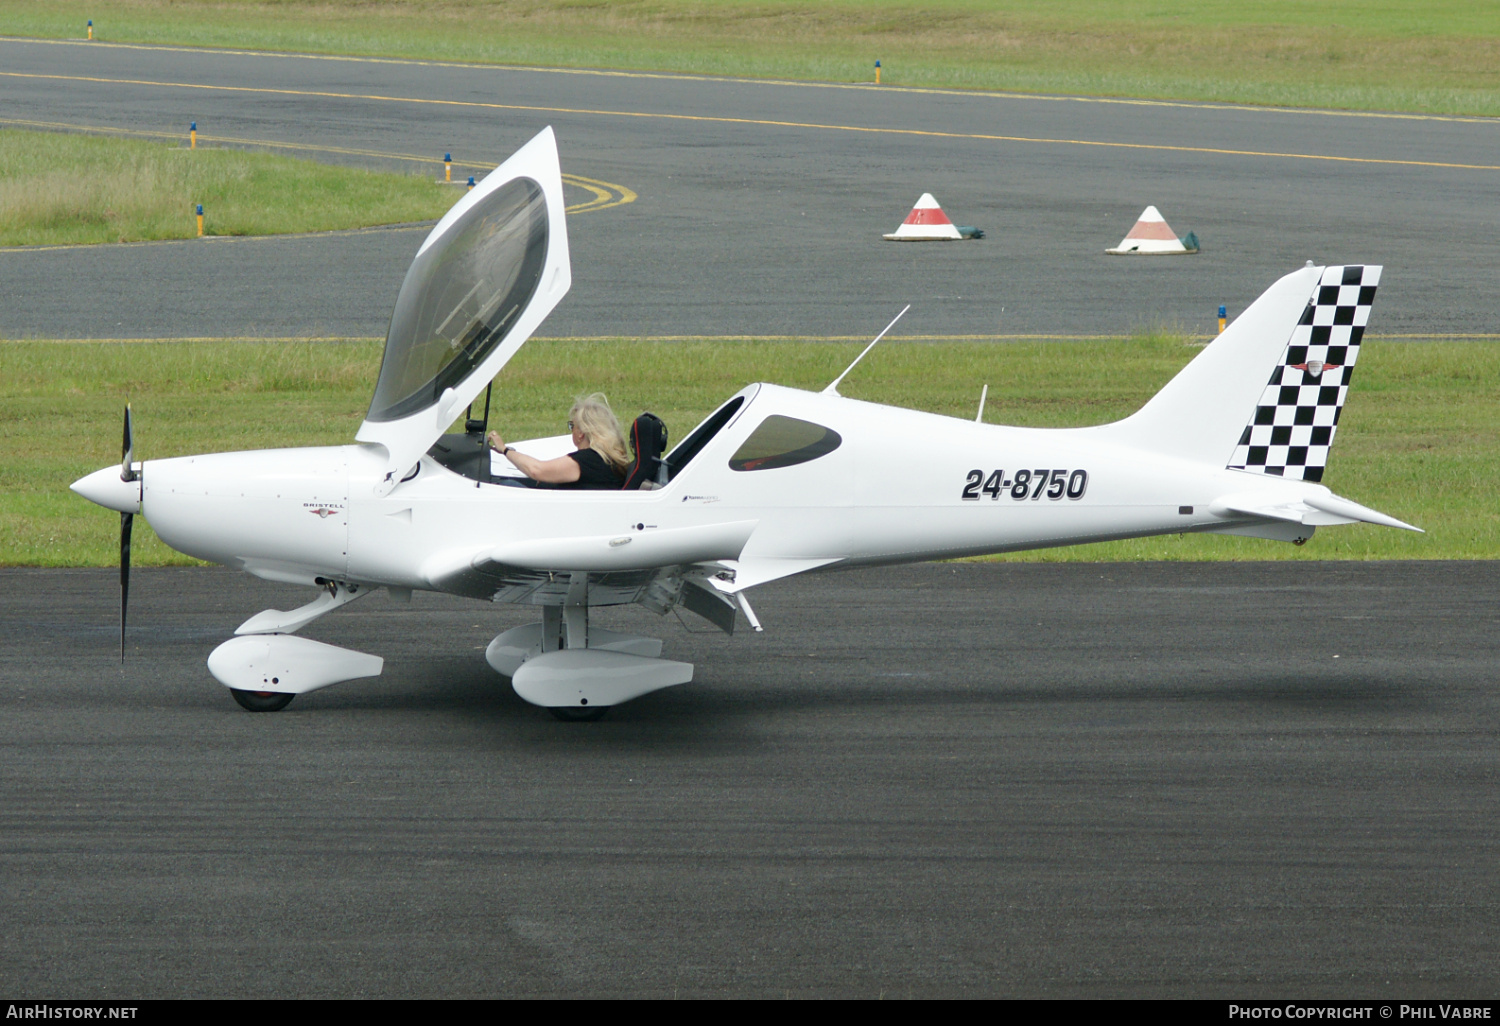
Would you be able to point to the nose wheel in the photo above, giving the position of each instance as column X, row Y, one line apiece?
column 262, row 701
column 577, row 714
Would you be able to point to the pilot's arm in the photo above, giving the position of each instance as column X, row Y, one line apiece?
column 563, row 470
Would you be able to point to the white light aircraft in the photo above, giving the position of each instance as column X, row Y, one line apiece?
column 775, row 482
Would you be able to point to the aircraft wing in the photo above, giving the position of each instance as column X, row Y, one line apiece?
column 658, row 568
column 660, row 590
column 642, row 549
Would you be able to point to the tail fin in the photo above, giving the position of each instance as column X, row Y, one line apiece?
column 1292, row 429
column 1266, row 395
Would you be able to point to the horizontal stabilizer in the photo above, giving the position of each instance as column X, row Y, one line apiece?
column 1344, row 508
column 1313, row 511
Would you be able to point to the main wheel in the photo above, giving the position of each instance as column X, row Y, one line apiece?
column 262, row 701
column 579, row 714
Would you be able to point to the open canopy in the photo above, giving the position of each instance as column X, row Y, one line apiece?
column 485, row 278
column 460, row 298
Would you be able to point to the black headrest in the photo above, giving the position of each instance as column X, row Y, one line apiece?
column 648, row 437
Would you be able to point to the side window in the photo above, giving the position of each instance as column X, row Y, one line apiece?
column 784, row 442
column 702, row 434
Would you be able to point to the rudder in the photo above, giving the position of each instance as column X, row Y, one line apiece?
column 1291, row 431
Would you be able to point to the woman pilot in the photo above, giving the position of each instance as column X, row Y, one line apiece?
column 600, row 459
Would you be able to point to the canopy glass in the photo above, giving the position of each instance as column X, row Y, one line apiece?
column 461, row 297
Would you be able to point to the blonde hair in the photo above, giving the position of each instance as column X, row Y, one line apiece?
column 592, row 416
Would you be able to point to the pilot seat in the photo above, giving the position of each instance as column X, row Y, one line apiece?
column 648, row 437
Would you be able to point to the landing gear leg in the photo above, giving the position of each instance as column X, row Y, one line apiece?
column 576, row 671
column 574, row 614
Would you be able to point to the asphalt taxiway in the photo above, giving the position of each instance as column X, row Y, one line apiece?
column 761, row 205
column 1240, row 780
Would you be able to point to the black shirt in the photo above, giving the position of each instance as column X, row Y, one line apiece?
column 594, row 471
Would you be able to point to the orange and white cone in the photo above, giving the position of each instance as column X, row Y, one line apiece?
column 926, row 223
column 1152, row 236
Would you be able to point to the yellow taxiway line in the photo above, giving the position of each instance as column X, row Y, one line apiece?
column 767, row 122
column 673, row 76
column 414, row 226
column 606, row 194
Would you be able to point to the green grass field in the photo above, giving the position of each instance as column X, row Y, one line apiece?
column 1418, row 439
column 58, row 189
column 1441, row 56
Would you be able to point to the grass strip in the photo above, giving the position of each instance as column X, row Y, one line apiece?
column 1418, row 438
column 1442, row 56
column 58, row 189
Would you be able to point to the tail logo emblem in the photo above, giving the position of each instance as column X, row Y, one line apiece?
column 1315, row 367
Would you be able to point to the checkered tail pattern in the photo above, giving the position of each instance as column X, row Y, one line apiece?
column 1292, row 429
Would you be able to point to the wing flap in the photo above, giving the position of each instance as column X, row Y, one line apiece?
column 748, row 573
column 713, row 607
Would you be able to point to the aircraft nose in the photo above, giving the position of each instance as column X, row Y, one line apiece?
column 105, row 488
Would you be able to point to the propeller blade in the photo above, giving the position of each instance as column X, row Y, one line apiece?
column 127, row 450
column 127, row 521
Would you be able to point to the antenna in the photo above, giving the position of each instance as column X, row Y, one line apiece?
column 983, row 395
column 833, row 388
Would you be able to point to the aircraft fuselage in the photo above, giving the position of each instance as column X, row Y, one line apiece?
column 902, row 486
